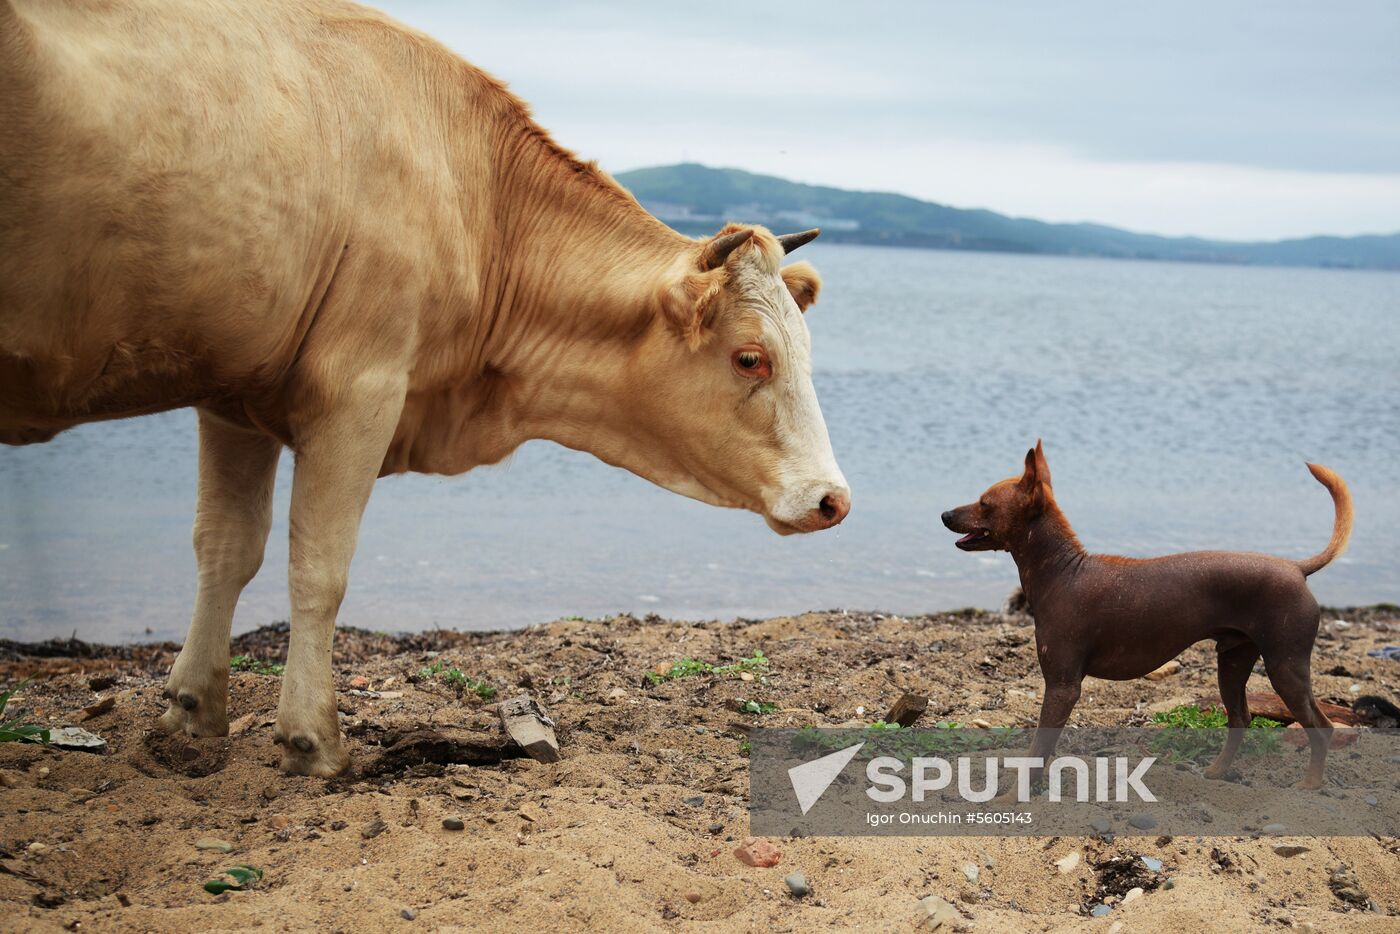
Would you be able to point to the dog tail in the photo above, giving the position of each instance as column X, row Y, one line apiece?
column 1341, row 527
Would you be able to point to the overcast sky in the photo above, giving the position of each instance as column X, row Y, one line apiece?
column 1232, row 120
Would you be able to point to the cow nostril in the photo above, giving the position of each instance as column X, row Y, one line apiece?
column 833, row 508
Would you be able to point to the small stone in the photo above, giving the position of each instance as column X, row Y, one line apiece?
column 757, row 852
column 1166, row 671
column 934, row 914
column 972, row 872
column 981, row 724
column 453, row 823
column 8, row 779
column 1098, row 911
column 408, row 914
column 1169, row 884
column 797, row 885
column 1115, row 927
column 43, row 771
column 73, row 737
column 1372, row 800
column 716, row 827
column 1067, row 863
column 1142, row 821
column 359, row 681
column 700, row 730
column 279, row 822
column 93, row 711
column 1289, row 849
column 746, row 676
column 1133, row 894
column 1274, row 828
column 693, row 897
column 374, row 829
column 338, row 825
column 531, row 812
column 213, row 843
column 1100, row 825
column 1152, row 863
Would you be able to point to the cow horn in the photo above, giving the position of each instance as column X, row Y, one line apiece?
column 720, row 247
column 792, row 241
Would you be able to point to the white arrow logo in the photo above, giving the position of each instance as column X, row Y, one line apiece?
column 810, row 780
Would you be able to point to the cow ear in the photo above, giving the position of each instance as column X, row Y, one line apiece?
column 803, row 282
column 688, row 305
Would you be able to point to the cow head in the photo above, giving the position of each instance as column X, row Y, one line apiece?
column 725, row 390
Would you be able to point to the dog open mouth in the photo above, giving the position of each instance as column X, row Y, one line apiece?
column 975, row 540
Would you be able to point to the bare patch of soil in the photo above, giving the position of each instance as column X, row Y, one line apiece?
column 635, row 828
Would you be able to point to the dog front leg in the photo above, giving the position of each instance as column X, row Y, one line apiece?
column 1055, row 708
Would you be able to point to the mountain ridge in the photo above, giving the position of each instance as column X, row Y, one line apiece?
column 696, row 199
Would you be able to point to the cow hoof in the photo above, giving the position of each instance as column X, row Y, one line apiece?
column 1309, row 784
column 303, row 755
column 195, row 715
column 1215, row 773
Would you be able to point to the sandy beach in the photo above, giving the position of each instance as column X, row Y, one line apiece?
column 635, row 827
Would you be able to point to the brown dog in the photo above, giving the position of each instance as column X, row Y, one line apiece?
column 1120, row 618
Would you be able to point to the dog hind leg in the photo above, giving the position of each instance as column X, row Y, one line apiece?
column 1234, row 664
column 1291, row 677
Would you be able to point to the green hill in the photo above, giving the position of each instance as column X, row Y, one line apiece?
column 697, row 199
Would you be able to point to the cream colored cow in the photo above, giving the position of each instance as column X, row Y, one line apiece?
column 328, row 233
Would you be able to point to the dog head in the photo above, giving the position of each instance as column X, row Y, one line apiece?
column 1001, row 514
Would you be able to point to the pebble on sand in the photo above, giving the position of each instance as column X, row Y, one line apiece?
column 1132, row 895
column 213, row 843
column 1067, row 863
column 797, row 884
column 453, row 823
column 757, row 852
column 934, row 914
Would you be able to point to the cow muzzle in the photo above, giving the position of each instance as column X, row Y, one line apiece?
column 816, row 507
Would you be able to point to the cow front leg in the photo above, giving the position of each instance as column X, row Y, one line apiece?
column 232, row 517
column 338, row 457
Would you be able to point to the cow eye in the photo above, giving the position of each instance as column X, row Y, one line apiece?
column 751, row 361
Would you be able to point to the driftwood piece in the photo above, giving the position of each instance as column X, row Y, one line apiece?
column 527, row 723
column 438, row 747
column 907, row 709
column 1267, row 704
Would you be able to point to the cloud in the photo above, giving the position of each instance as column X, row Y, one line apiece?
column 1230, row 121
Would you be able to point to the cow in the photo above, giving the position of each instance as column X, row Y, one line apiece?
column 326, row 232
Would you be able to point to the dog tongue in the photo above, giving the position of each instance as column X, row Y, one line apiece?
column 968, row 538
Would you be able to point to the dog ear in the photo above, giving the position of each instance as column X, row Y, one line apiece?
column 1034, row 482
column 1030, row 479
column 1042, row 468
